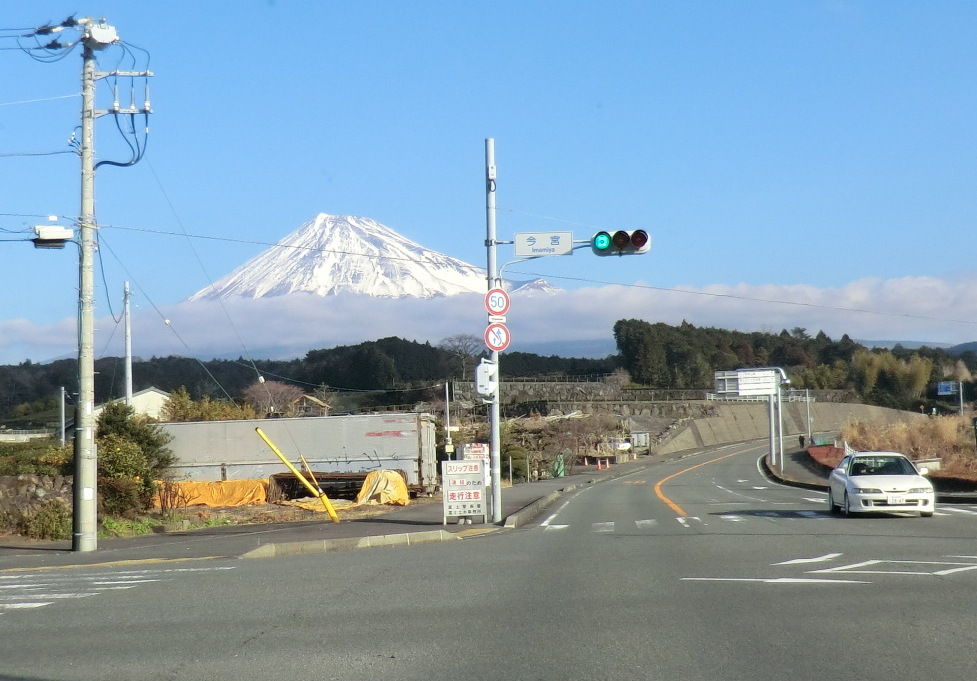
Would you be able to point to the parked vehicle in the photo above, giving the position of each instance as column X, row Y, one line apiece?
column 866, row 482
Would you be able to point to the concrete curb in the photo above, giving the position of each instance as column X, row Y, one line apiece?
column 513, row 521
column 523, row 516
column 328, row 545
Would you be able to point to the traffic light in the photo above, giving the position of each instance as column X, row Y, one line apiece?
column 621, row 242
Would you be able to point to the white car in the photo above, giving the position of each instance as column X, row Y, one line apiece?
column 866, row 482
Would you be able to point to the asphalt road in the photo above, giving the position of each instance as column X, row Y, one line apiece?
column 695, row 569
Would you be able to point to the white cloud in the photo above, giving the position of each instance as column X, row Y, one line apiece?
column 909, row 309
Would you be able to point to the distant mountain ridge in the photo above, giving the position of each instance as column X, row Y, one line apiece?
column 340, row 254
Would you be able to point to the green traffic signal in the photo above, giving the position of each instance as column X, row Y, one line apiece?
column 601, row 241
column 621, row 242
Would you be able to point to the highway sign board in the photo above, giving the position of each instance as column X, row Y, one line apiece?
column 497, row 302
column 497, row 337
column 536, row 244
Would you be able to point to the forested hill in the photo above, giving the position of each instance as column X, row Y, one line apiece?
column 653, row 354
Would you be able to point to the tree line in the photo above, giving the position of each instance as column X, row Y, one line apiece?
column 395, row 371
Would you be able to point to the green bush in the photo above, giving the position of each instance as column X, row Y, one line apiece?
column 50, row 521
column 37, row 457
column 122, row 497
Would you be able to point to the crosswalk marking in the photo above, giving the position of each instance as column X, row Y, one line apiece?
column 28, row 590
column 651, row 524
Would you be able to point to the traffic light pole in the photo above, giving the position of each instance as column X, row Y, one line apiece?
column 493, row 281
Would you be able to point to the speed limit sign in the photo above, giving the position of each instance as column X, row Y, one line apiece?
column 497, row 302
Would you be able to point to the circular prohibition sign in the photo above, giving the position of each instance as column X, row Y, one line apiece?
column 497, row 337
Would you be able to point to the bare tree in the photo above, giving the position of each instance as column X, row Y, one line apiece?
column 273, row 397
column 464, row 347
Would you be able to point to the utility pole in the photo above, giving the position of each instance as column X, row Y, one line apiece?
column 493, row 281
column 85, row 534
column 95, row 35
column 127, row 316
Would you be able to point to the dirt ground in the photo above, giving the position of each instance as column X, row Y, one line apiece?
column 285, row 513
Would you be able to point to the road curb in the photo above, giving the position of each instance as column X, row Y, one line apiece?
column 345, row 544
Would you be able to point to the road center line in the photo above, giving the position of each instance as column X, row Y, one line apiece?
column 671, row 504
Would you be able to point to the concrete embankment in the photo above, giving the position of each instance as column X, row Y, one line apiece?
column 740, row 422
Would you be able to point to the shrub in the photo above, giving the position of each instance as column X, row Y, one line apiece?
column 122, row 497
column 50, row 521
column 949, row 438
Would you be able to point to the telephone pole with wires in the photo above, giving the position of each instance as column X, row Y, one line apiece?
column 95, row 35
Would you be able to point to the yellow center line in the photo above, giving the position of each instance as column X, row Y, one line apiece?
column 671, row 504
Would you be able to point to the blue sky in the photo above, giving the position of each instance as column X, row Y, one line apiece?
column 817, row 153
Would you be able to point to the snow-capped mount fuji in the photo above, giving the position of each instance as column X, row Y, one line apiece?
column 337, row 254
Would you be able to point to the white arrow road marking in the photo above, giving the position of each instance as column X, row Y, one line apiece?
column 820, row 559
column 774, row 580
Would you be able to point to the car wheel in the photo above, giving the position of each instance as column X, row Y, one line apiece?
column 832, row 506
column 926, row 514
column 847, row 507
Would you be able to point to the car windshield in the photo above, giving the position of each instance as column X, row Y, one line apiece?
column 882, row 465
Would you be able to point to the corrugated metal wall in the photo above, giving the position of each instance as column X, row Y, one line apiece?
column 232, row 450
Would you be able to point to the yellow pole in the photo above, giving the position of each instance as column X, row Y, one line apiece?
column 319, row 493
column 313, row 481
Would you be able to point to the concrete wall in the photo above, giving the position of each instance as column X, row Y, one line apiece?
column 739, row 422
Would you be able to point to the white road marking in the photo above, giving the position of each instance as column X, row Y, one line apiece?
column 731, row 517
column 28, row 590
column 602, row 527
column 774, row 580
column 954, row 509
column 644, row 524
column 880, row 564
column 555, row 527
column 820, row 559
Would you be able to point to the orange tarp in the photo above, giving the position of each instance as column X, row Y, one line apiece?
column 384, row 487
column 223, row 493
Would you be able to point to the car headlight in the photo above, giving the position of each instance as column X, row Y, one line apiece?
column 920, row 490
column 867, row 490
